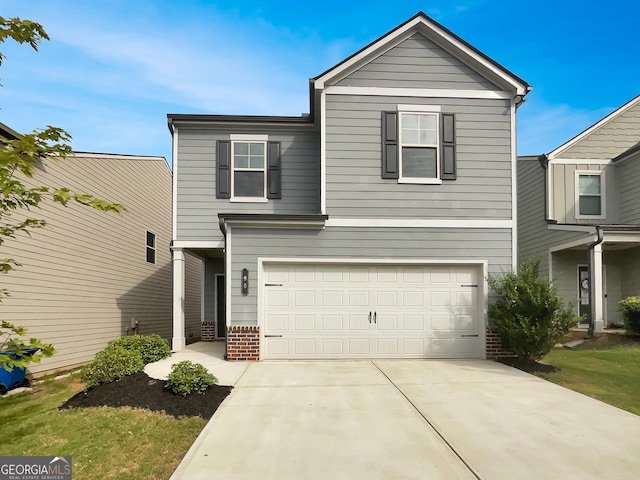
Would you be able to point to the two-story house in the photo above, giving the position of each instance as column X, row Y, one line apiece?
column 367, row 227
column 580, row 214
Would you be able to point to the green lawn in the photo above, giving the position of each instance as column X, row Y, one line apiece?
column 104, row 442
column 603, row 370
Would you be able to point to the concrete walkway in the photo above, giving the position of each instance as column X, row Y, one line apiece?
column 427, row 419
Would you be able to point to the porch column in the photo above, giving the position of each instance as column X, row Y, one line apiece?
column 597, row 289
column 179, row 341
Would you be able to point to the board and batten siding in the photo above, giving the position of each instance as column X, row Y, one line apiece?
column 534, row 237
column 417, row 62
column 353, row 161
column 628, row 189
column 609, row 140
column 247, row 245
column 563, row 177
column 197, row 205
column 84, row 278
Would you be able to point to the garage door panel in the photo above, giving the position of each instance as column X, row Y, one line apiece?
column 368, row 311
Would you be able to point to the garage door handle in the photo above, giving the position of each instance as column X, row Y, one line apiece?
column 369, row 317
column 375, row 317
column 272, row 284
column 464, row 336
column 273, row 336
column 469, row 285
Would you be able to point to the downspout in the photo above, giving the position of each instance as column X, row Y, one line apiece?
column 591, row 297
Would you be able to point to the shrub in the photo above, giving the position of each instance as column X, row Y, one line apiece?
column 186, row 377
column 630, row 310
column 111, row 364
column 151, row 347
column 529, row 317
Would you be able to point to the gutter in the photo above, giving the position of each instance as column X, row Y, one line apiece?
column 590, row 249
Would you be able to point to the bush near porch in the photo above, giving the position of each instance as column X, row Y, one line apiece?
column 630, row 310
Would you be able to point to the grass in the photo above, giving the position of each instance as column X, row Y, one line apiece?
column 606, row 368
column 104, row 442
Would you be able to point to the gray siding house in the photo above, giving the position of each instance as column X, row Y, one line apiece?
column 365, row 228
column 89, row 277
column 580, row 214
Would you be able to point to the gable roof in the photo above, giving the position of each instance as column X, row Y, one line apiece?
column 627, row 154
column 616, row 113
column 431, row 29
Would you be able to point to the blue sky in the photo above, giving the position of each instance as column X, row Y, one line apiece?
column 113, row 69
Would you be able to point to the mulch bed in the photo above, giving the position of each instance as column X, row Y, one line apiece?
column 141, row 391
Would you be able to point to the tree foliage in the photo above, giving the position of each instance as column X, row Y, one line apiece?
column 19, row 158
column 528, row 315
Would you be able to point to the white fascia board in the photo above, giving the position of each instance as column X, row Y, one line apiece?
column 421, row 25
column 572, row 228
column 565, row 146
column 323, row 153
column 248, row 137
column 373, row 261
column 174, row 195
column 514, row 188
column 578, row 161
column 621, row 237
column 419, row 223
column 293, row 224
column 187, row 244
column 418, row 92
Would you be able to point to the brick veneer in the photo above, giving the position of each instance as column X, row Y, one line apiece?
column 208, row 332
column 494, row 348
column 243, row 342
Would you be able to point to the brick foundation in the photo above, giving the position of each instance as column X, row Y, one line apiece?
column 243, row 342
column 208, row 331
column 494, row 347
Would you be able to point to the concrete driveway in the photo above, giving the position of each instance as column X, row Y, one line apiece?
column 426, row 419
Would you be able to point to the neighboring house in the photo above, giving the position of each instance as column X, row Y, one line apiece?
column 89, row 277
column 367, row 227
column 579, row 212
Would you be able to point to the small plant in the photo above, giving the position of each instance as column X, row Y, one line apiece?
column 15, row 352
column 528, row 315
column 151, row 347
column 630, row 310
column 111, row 364
column 186, row 377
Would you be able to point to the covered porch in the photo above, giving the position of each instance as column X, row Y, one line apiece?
column 597, row 271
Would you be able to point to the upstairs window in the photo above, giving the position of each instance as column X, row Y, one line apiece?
column 419, row 147
column 249, row 177
column 151, row 247
column 590, row 199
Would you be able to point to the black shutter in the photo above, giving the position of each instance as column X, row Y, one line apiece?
column 390, row 145
column 223, row 169
column 448, row 153
column 274, row 170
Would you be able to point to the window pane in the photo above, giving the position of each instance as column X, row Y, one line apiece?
column 590, row 205
column 241, row 148
column 419, row 162
column 427, row 122
column 151, row 240
column 256, row 161
column 428, row 137
column 240, row 161
column 151, row 255
column 248, row 184
column 410, row 121
column 256, row 149
column 589, row 184
column 409, row 136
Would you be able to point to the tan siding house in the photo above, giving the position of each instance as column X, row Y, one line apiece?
column 86, row 278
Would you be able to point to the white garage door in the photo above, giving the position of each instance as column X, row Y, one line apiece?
column 371, row 311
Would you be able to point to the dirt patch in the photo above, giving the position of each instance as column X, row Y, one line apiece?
column 141, row 391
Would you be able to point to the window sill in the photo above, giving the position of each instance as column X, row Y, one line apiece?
column 248, row 200
column 590, row 217
column 421, row 181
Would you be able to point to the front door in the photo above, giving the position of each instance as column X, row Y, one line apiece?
column 221, row 310
column 583, row 293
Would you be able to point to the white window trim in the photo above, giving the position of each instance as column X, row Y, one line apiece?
column 154, row 248
column 248, row 139
column 426, row 180
column 603, row 205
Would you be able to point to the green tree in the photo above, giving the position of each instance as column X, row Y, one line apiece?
column 528, row 315
column 19, row 158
